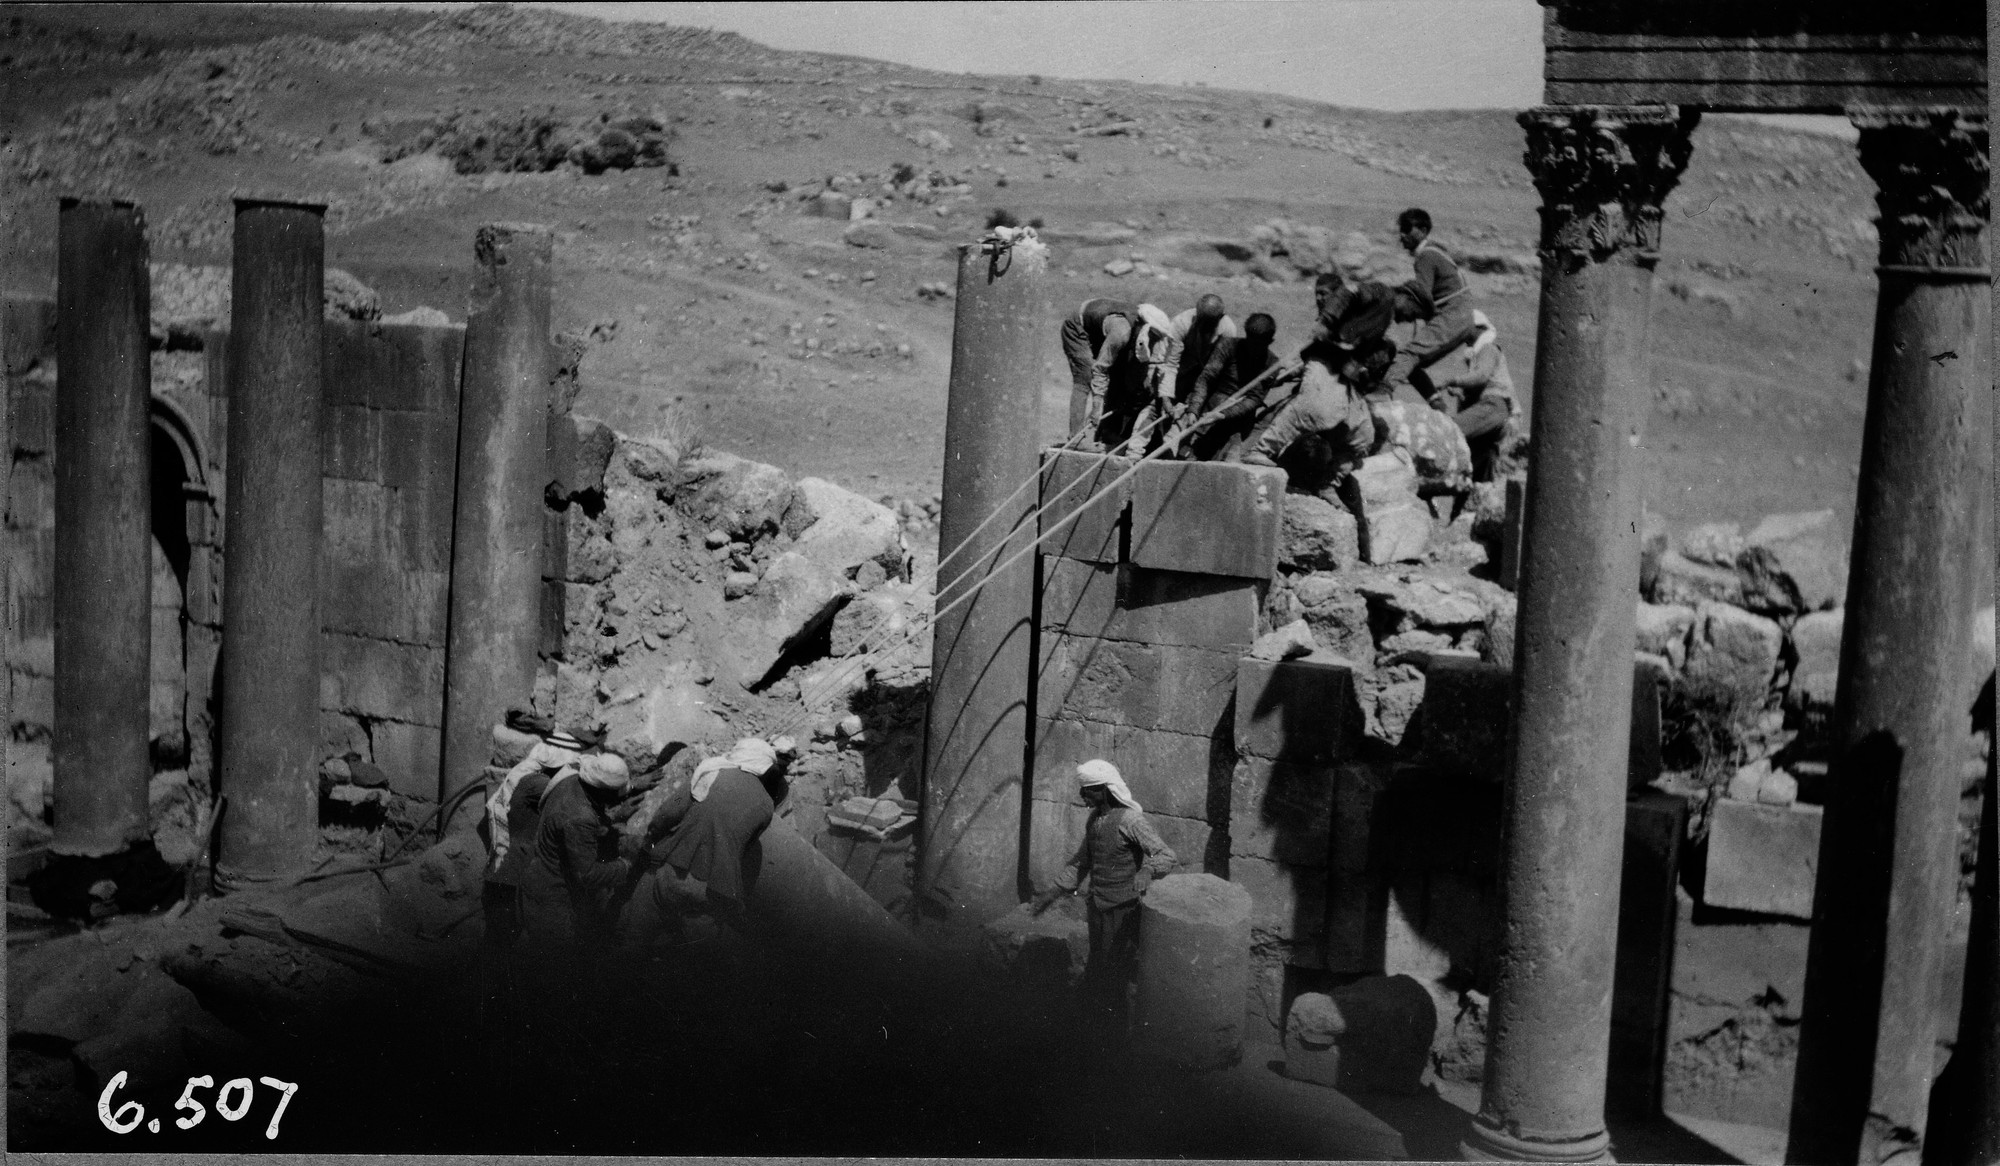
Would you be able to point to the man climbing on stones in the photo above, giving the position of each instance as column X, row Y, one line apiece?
column 1121, row 854
column 702, row 845
column 1122, row 357
column 1445, row 321
column 1472, row 387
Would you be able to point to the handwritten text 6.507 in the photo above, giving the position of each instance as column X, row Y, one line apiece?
column 232, row 1102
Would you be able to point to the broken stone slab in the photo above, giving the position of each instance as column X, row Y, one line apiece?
column 842, row 530
column 746, row 500
column 1762, row 858
column 1794, row 563
column 1663, row 631
column 1680, row 581
column 795, row 597
column 1734, row 652
column 1293, row 640
column 1435, row 444
column 871, row 234
column 1193, row 971
column 1045, row 951
column 1815, row 639
column 1429, row 603
column 1714, row 543
column 1318, row 536
column 1395, row 525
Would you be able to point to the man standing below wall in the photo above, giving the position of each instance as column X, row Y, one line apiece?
column 1446, row 321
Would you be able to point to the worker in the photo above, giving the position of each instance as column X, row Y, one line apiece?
column 513, row 815
column 708, row 857
column 1348, row 317
column 1122, row 357
column 1471, row 385
column 1204, row 332
column 1220, row 418
column 1447, row 321
column 1121, row 854
column 1332, row 405
column 570, row 887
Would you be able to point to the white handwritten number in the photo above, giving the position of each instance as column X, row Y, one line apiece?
column 116, row 1124
column 271, row 1131
column 187, row 1101
column 229, row 1112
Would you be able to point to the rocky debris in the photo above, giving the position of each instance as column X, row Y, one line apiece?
column 869, row 234
column 1338, row 617
column 1792, row 563
column 1497, row 645
column 1290, row 642
column 1415, row 601
column 426, row 317
column 188, row 299
column 745, row 500
column 643, row 723
column 881, row 618
column 1437, row 448
column 529, row 142
column 842, row 531
column 1663, row 631
column 1046, row 951
column 1714, row 543
column 1733, row 651
column 1390, row 696
column 1317, row 536
column 1395, row 525
column 1681, row 581
column 1815, row 639
column 794, row 599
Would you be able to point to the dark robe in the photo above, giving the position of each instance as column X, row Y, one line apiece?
column 716, row 841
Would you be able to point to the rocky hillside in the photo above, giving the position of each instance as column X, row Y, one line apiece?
column 691, row 175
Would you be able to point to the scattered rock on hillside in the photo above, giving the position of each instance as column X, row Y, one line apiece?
column 868, row 233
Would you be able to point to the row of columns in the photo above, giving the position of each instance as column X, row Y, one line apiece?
column 269, row 676
column 1888, row 864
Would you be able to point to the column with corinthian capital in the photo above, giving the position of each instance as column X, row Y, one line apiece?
column 1602, row 172
column 1888, row 866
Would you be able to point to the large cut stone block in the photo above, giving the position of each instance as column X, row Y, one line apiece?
column 1193, row 971
column 1682, row 582
column 1296, row 711
column 1468, row 711
column 1210, row 518
column 1282, row 812
column 410, row 755
column 1174, row 608
column 1338, row 617
column 1663, row 631
column 377, row 678
column 1318, row 535
column 1762, row 858
column 1816, row 644
column 1288, row 907
column 579, row 452
column 1185, row 690
column 1734, row 652
column 1082, row 482
column 1794, row 563
column 847, row 530
column 1179, row 774
column 350, row 443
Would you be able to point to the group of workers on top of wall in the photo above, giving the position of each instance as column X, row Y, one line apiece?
column 1205, row 387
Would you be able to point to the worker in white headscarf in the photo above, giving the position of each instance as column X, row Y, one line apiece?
column 1471, row 385
column 513, row 816
column 1121, row 853
column 731, row 801
column 575, row 852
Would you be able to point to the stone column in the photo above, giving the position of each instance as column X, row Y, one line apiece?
column 496, row 544
column 1888, row 867
column 977, row 730
column 1602, row 172
column 103, row 541
column 270, row 583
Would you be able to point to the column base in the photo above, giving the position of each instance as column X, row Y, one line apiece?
column 1486, row 1143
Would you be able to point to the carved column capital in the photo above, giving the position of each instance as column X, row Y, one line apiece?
column 1603, row 172
column 1930, row 169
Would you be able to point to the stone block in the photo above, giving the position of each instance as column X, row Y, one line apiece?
column 1428, row 603
column 1683, row 582
column 1193, row 971
column 1208, row 518
column 1189, row 838
column 1338, row 618
column 1762, row 858
column 671, row 711
column 29, row 332
column 424, row 518
column 579, row 453
column 1318, row 535
column 1663, row 631
column 1282, row 812
column 1733, row 651
column 1499, row 628
column 419, row 451
column 1080, row 485
column 356, row 522
column 793, row 599
column 1288, row 907
column 1653, row 543
column 380, row 679
column 511, row 747
column 1184, row 690
column 1288, row 642
column 1714, row 543
column 410, row 755
column 1815, row 641
column 1297, row 711
column 1055, row 828
column 1316, row 1064
column 1467, row 713
column 1385, row 1042
column 1177, row 774
column 34, row 704
column 875, row 619
column 1045, row 951
column 1396, row 534
column 350, row 443
column 847, row 530
column 1131, row 603
column 1793, row 563
column 744, row 499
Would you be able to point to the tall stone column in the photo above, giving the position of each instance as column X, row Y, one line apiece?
column 1888, row 866
column 1602, row 172
column 270, row 582
column 977, row 730
column 103, row 541
column 496, row 543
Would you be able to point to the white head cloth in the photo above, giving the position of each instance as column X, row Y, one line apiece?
column 1101, row 772
column 1487, row 334
column 751, row 755
column 603, row 770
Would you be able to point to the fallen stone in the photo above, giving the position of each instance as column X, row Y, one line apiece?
column 832, row 204
column 1293, row 640
column 1435, row 444
column 1046, row 951
column 1193, row 971
column 737, row 584
column 347, row 298
column 744, row 499
column 1427, row 602
column 1663, row 631
column 845, row 530
column 877, row 618
column 1338, row 617
column 1318, row 535
column 1762, row 858
column 1794, row 563
column 1395, row 525
column 794, row 598
column 868, row 233
column 1389, row 1023
column 1815, row 640
column 1715, row 543
column 1734, row 652
column 1680, row 581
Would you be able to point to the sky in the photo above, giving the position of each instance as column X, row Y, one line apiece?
column 1378, row 54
